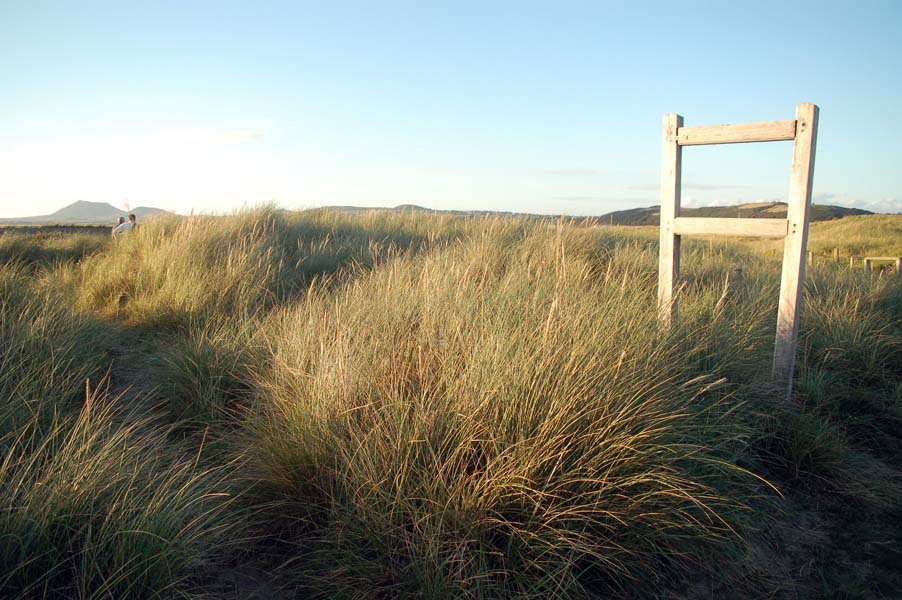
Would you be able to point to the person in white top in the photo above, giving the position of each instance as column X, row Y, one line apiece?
column 127, row 226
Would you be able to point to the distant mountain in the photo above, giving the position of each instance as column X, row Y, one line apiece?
column 759, row 210
column 84, row 212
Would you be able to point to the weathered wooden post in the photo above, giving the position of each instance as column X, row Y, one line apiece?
column 794, row 229
column 867, row 266
column 797, row 217
column 899, row 267
column 810, row 257
column 836, row 255
column 669, row 256
column 851, row 261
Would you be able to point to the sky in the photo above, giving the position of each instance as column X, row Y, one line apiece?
column 543, row 107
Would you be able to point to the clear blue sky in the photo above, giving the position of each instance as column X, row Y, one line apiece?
column 551, row 107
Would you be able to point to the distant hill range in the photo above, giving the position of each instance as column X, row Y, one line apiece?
column 85, row 213
column 101, row 213
column 757, row 210
column 646, row 216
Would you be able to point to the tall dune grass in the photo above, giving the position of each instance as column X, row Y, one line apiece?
column 405, row 405
column 499, row 419
column 92, row 509
column 858, row 236
column 48, row 351
column 48, row 248
column 176, row 270
column 95, row 501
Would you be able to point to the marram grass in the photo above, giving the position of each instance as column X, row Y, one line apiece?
column 91, row 509
column 410, row 405
column 95, row 500
column 497, row 419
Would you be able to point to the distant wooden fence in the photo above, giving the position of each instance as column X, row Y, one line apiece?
column 868, row 261
column 794, row 229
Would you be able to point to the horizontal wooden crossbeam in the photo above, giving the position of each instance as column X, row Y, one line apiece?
column 765, row 131
column 730, row 226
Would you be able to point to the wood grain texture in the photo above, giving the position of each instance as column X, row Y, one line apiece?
column 739, row 133
column 798, row 217
column 669, row 253
column 730, row 226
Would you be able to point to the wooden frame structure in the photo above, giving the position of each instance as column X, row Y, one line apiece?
column 794, row 229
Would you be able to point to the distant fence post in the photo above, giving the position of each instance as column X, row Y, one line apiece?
column 836, row 255
column 794, row 229
column 869, row 260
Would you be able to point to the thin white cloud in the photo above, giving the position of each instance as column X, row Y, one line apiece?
column 688, row 185
column 578, row 198
column 207, row 136
column 690, row 201
column 707, row 187
column 879, row 205
column 572, row 172
column 884, row 205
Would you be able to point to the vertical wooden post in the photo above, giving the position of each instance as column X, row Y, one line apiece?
column 899, row 267
column 793, row 277
column 810, row 258
column 669, row 257
column 867, row 266
column 851, row 261
column 836, row 255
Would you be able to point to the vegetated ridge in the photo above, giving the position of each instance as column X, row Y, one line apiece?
column 759, row 210
column 637, row 216
column 84, row 212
